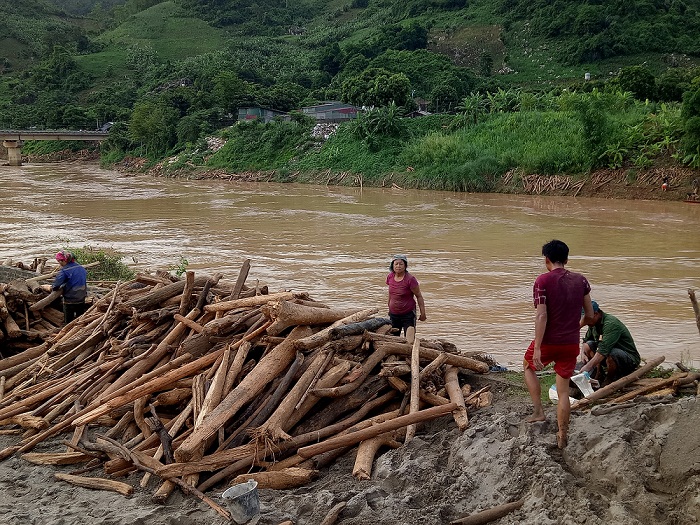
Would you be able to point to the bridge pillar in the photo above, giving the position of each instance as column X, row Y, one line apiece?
column 14, row 151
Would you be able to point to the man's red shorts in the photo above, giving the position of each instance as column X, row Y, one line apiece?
column 564, row 357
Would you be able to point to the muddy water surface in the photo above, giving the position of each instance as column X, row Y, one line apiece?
column 475, row 255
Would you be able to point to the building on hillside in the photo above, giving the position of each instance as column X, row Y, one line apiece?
column 259, row 113
column 418, row 113
column 331, row 111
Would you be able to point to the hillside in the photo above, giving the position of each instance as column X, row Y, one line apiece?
column 172, row 73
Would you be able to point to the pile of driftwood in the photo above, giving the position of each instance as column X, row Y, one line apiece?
column 198, row 382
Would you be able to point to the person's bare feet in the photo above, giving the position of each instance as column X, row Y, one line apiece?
column 562, row 440
column 534, row 418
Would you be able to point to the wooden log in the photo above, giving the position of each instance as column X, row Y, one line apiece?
column 367, row 367
column 290, row 478
column 139, row 418
column 489, row 515
column 11, row 327
column 153, row 385
column 213, row 396
column 97, row 483
column 269, row 367
column 696, row 308
column 240, row 281
column 328, row 380
column 414, row 405
column 430, row 354
column 287, row 313
column 246, row 454
column 22, row 357
column 659, row 384
column 456, row 396
column 18, row 289
column 433, row 365
column 394, row 368
column 324, row 336
column 186, row 298
column 172, row 397
column 368, row 450
column 46, row 301
column 258, row 300
column 617, row 385
column 189, row 323
column 26, row 421
column 333, row 514
column 53, row 316
column 3, row 307
column 275, row 428
column 361, row 435
column 148, row 300
column 65, row 385
column 370, row 388
column 56, row 458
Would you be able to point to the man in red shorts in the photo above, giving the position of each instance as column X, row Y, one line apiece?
column 558, row 296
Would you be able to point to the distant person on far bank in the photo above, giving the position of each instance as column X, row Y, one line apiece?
column 558, row 297
column 71, row 280
column 608, row 350
column 694, row 196
column 404, row 293
column 665, row 183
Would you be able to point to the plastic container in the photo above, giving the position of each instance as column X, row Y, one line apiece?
column 583, row 382
column 554, row 397
column 243, row 501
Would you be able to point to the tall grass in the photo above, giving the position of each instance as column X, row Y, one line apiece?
column 258, row 146
column 472, row 158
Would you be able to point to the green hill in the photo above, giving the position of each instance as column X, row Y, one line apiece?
column 171, row 73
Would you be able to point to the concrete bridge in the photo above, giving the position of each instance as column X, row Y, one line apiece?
column 14, row 139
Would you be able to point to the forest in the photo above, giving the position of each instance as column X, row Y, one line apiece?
column 538, row 86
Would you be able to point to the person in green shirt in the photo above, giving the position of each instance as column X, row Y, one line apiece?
column 608, row 350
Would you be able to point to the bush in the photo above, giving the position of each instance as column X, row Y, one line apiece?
column 111, row 267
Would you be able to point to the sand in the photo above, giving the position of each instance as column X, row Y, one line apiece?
column 634, row 465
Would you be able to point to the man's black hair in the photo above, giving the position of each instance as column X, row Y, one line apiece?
column 556, row 251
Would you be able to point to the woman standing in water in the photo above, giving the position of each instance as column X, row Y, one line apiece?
column 404, row 292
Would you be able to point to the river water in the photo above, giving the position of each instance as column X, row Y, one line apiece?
column 475, row 255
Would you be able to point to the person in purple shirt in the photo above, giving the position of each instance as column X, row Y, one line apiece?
column 404, row 292
column 72, row 281
column 558, row 296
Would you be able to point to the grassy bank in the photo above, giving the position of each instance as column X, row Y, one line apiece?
column 494, row 145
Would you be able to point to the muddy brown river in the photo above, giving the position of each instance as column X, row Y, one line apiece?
column 475, row 255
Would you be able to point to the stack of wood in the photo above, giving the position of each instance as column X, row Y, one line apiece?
column 197, row 382
column 29, row 311
column 21, row 328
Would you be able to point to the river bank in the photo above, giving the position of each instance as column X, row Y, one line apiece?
column 621, row 466
column 621, row 183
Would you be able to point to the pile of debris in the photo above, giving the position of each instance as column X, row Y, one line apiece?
column 199, row 382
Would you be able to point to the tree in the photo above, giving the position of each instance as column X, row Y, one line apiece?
column 638, row 80
column 443, row 98
column 331, row 59
column 690, row 117
column 230, row 92
column 153, row 125
column 377, row 87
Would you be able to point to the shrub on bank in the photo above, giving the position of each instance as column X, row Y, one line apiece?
column 111, row 267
